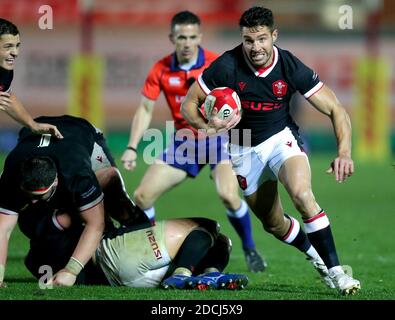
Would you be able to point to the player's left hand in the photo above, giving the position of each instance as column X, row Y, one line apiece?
column 342, row 167
column 42, row 128
column 219, row 125
column 63, row 278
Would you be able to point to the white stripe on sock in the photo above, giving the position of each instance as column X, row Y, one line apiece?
column 241, row 212
column 294, row 232
column 150, row 212
column 319, row 223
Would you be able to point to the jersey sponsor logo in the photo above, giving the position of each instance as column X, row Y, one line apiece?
column 174, row 81
column 289, row 144
column 99, row 158
column 279, row 88
column 242, row 182
column 45, row 140
column 260, row 106
column 154, row 244
column 242, row 85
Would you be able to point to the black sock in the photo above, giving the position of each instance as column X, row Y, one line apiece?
column 217, row 256
column 320, row 235
column 193, row 249
column 296, row 236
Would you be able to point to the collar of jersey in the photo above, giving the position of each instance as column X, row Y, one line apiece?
column 262, row 72
column 175, row 66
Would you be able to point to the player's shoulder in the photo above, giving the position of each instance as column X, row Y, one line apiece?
column 228, row 60
column 164, row 62
column 210, row 55
column 288, row 58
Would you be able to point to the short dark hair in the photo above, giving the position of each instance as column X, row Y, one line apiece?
column 257, row 16
column 37, row 172
column 7, row 27
column 184, row 17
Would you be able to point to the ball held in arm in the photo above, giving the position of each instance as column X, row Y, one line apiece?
column 224, row 99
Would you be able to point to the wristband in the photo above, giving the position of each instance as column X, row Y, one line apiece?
column 131, row 148
column 74, row 266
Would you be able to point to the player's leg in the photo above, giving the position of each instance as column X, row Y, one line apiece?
column 295, row 175
column 237, row 213
column 197, row 248
column 210, row 269
column 117, row 202
column 158, row 179
column 187, row 242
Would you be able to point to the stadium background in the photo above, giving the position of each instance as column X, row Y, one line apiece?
column 93, row 63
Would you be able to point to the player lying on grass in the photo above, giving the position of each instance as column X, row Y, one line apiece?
column 43, row 176
column 179, row 253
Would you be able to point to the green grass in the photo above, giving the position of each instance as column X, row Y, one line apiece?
column 362, row 214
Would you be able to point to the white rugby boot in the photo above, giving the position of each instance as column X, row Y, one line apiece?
column 346, row 284
column 321, row 268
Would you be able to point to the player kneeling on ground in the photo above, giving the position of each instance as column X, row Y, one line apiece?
column 173, row 254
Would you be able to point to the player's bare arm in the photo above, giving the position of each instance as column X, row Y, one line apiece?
column 190, row 111
column 140, row 124
column 17, row 111
column 89, row 240
column 189, row 107
column 326, row 102
column 7, row 224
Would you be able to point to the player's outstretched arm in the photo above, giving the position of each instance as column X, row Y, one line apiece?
column 86, row 246
column 140, row 124
column 19, row 113
column 7, row 224
column 14, row 108
column 326, row 102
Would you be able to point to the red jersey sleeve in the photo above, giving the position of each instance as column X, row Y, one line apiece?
column 152, row 88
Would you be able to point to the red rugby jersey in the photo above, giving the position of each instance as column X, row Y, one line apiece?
column 167, row 76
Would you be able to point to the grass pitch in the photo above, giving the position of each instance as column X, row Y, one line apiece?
column 361, row 211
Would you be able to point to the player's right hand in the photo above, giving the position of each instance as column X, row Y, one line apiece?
column 45, row 128
column 219, row 125
column 63, row 278
column 129, row 159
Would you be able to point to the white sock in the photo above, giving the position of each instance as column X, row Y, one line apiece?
column 241, row 212
column 313, row 254
column 335, row 270
column 150, row 212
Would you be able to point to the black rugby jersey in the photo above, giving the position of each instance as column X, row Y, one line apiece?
column 78, row 188
column 264, row 94
column 6, row 77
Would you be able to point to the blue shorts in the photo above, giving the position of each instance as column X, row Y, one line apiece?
column 191, row 155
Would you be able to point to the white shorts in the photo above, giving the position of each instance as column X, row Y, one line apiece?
column 255, row 165
column 135, row 259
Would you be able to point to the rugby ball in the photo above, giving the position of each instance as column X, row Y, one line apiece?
column 224, row 99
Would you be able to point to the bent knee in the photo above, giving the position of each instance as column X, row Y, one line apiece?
column 143, row 199
column 212, row 226
column 276, row 227
column 230, row 199
column 303, row 197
